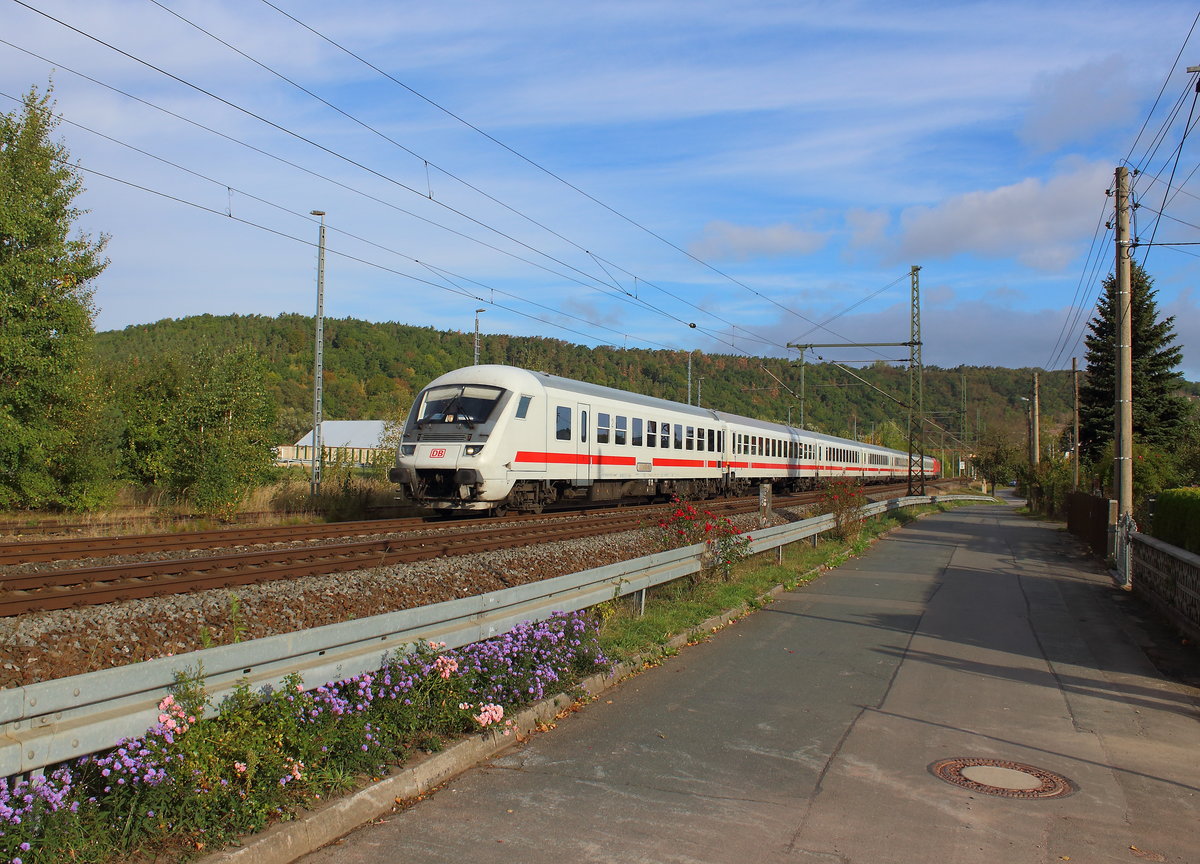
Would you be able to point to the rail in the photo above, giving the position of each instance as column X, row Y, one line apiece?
column 52, row 722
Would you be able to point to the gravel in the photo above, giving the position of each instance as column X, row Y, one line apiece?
column 56, row 644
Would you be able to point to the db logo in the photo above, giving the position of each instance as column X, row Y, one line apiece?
column 437, row 453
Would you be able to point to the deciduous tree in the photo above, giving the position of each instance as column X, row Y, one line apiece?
column 50, row 414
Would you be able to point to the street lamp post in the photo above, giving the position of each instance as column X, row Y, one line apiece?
column 318, row 455
column 477, row 311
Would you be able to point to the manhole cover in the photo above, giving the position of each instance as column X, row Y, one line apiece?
column 1001, row 777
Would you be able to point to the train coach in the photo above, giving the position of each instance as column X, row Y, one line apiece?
column 500, row 438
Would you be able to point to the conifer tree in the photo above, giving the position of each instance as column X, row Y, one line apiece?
column 1159, row 412
column 49, row 411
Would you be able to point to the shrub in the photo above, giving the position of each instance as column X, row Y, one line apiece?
column 684, row 525
column 843, row 498
column 1177, row 518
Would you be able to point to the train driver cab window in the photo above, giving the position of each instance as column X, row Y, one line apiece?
column 523, row 407
column 637, row 432
column 562, row 423
column 651, row 433
column 602, row 421
column 458, row 403
column 619, row 432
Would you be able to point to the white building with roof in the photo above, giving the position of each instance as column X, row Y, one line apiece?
column 354, row 442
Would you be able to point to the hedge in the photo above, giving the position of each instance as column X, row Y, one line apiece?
column 1177, row 518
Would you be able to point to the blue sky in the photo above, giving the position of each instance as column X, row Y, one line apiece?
column 752, row 168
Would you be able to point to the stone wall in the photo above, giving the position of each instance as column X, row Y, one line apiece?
column 1169, row 577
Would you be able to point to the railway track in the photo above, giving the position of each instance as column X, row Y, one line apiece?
column 81, row 586
column 61, row 588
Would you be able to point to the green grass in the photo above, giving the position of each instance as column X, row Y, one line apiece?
column 680, row 607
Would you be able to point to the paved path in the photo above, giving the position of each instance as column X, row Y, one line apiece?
column 804, row 733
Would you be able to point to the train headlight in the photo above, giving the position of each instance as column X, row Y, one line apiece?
column 472, row 449
column 408, row 449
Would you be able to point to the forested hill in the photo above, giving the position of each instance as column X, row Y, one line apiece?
column 373, row 370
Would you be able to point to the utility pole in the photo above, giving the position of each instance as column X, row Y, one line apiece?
column 699, row 387
column 477, row 311
column 318, row 453
column 1075, row 433
column 689, row 377
column 1036, row 447
column 963, row 424
column 1123, row 469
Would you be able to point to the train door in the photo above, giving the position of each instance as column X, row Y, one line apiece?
column 583, row 446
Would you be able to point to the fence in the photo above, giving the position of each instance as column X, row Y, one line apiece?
column 55, row 721
column 1091, row 519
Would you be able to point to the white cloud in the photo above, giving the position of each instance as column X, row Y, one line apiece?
column 724, row 240
column 1075, row 105
column 1041, row 224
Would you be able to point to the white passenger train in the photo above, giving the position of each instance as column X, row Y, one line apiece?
column 501, row 438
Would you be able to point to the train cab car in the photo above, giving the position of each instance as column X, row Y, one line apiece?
column 453, row 446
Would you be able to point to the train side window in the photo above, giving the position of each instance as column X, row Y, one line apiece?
column 562, row 423
column 637, row 432
column 690, row 437
column 720, row 442
column 665, row 441
column 619, row 434
column 712, row 440
column 602, row 421
column 699, row 439
column 651, row 433
column 523, row 407
column 678, row 436
column 583, row 421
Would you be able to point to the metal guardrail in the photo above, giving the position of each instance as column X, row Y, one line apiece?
column 56, row 721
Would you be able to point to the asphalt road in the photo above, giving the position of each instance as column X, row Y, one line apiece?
column 806, row 732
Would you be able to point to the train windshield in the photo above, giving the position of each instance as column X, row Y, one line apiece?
column 458, row 403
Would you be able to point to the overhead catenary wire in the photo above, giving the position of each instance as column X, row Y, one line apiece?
column 600, row 261
column 443, row 273
column 331, row 152
column 730, row 339
column 592, row 284
column 540, row 167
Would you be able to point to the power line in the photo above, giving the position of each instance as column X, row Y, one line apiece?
column 443, row 273
column 540, row 167
column 620, row 294
column 641, row 302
